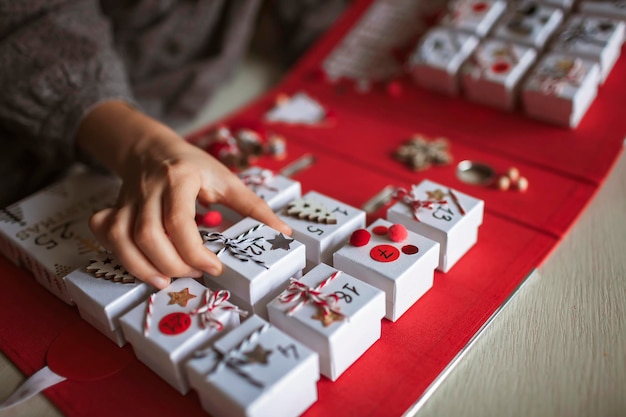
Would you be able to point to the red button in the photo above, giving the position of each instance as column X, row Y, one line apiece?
column 175, row 323
column 360, row 237
column 380, row 230
column 410, row 249
column 501, row 67
column 479, row 7
column 384, row 253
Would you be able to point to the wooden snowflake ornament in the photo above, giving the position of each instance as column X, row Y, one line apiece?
column 419, row 153
column 311, row 210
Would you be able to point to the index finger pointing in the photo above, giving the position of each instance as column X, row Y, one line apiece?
column 243, row 200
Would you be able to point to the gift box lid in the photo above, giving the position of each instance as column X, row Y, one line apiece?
column 499, row 60
column 173, row 325
column 254, row 249
column 443, row 48
column 331, row 282
column 267, row 354
column 407, row 255
column 563, row 75
column 448, row 209
column 270, row 186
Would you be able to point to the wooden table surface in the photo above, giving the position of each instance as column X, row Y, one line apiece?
column 557, row 348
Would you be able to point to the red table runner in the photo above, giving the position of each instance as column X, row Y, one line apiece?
column 352, row 163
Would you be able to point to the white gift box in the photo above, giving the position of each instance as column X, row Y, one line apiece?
column 530, row 23
column 258, row 262
column 48, row 232
column 596, row 38
column 473, row 16
column 277, row 191
column 565, row 5
column 104, row 293
column 613, row 9
column 492, row 74
column 560, row 88
column 255, row 370
column 325, row 235
column 436, row 61
column 179, row 319
column 442, row 214
column 404, row 269
column 333, row 313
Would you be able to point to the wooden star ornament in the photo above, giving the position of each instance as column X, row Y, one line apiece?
column 258, row 355
column 437, row 194
column 327, row 317
column 181, row 297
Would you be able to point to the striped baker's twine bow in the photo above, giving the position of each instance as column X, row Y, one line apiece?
column 233, row 358
column 214, row 303
column 259, row 179
column 236, row 246
column 553, row 80
column 148, row 315
column 507, row 54
column 297, row 291
column 582, row 31
column 411, row 200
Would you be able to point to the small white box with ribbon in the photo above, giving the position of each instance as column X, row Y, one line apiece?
column 322, row 223
column 171, row 324
column 530, row 23
column 277, row 191
column 561, row 88
column 258, row 262
column 333, row 313
column 255, row 370
column 442, row 214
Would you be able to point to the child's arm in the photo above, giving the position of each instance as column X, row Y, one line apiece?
column 152, row 229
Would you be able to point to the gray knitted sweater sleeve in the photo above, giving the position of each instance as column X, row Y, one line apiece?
column 56, row 62
column 61, row 58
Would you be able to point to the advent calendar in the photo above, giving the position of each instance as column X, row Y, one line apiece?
column 423, row 254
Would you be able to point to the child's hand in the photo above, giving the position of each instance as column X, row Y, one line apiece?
column 152, row 229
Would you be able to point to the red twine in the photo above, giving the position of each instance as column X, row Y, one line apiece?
column 411, row 200
column 553, row 80
column 456, row 201
column 148, row 318
column 297, row 291
column 212, row 305
column 259, row 179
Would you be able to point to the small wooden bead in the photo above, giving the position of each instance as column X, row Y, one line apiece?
column 504, row 183
column 513, row 174
column 522, row 184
